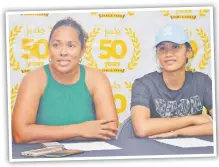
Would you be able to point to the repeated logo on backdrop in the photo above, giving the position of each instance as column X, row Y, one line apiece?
column 185, row 14
column 112, row 52
column 203, row 51
column 28, row 49
column 115, row 51
column 33, row 49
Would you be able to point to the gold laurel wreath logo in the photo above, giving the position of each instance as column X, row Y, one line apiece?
column 165, row 12
column 128, row 85
column 14, row 92
column 203, row 12
column 88, row 52
column 13, row 34
column 207, row 49
column 136, row 52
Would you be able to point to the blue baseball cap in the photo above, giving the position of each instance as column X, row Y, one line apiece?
column 172, row 33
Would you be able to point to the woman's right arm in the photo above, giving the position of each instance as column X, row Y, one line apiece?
column 24, row 128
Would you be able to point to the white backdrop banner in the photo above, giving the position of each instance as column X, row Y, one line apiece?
column 121, row 44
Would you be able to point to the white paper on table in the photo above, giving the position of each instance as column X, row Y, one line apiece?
column 89, row 146
column 186, row 142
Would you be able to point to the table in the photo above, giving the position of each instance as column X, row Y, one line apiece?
column 130, row 147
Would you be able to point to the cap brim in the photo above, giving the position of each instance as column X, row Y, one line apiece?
column 170, row 40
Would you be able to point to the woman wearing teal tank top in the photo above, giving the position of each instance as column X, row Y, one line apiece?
column 64, row 99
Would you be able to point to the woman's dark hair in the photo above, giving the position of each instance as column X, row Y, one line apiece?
column 69, row 22
column 188, row 47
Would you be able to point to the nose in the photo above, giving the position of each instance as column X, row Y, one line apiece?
column 169, row 53
column 63, row 51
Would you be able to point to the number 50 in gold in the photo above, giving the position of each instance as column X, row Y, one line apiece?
column 122, row 100
column 110, row 48
column 33, row 48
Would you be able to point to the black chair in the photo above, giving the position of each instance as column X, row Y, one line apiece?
column 126, row 130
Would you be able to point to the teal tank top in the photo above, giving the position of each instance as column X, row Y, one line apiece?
column 65, row 104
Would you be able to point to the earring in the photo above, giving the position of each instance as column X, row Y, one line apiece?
column 50, row 59
column 80, row 60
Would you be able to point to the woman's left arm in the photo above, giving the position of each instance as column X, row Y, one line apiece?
column 195, row 130
column 103, row 99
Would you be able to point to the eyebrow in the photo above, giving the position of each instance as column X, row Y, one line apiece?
column 73, row 42
column 54, row 40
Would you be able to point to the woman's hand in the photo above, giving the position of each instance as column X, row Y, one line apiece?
column 99, row 129
column 164, row 135
column 202, row 119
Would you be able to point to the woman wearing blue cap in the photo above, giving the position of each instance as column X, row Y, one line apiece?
column 170, row 103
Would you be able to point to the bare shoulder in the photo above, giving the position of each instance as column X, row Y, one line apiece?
column 36, row 74
column 95, row 75
column 35, row 79
column 96, row 79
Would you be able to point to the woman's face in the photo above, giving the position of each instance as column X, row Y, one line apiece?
column 65, row 49
column 172, row 56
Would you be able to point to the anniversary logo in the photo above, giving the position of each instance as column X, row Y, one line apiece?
column 185, row 14
column 113, row 49
column 34, row 49
column 199, row 34
column 31, row 49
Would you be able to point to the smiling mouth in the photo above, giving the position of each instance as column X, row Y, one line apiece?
column 64, row 62
column 170, row 62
